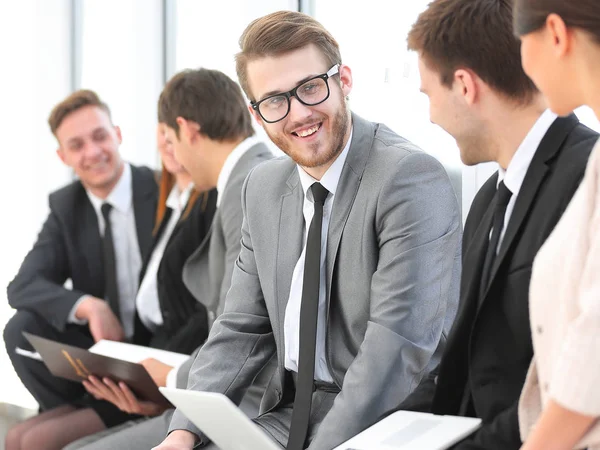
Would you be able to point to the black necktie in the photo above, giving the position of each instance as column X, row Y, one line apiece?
column 308, row 323
column 501, row 200
column 111, row 291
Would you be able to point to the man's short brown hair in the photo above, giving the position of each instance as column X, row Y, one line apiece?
column 280, row 33
column 475, row 35
column 75, row 101
column 211, row 99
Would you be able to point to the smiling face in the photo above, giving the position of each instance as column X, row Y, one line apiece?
column 313, row 136
column 89, row 144
column 547, row 59
column 449, row 109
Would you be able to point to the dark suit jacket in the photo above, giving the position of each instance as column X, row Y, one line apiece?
column 490, row 342
column 69, row 246
column 185, row 319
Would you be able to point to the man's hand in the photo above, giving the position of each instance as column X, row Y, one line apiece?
column 121, row 396
column 157, row 370
column 102, row 321
column 178, row 440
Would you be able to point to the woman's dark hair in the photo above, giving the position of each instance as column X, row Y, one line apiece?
column 531, row 15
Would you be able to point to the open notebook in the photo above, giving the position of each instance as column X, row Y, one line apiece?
column 228, row 427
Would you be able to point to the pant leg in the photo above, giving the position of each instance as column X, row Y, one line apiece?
column 48, row 390
column 140, row 434
column 277, row 423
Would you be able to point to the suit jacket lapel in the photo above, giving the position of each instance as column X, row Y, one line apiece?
column 144, row 207
column 549, row 146
column 289, row 243
column 360, row 149
column 473, row 257
column 155, row 239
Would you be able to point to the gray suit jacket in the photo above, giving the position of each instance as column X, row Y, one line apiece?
column 207, row 272
column 392, row 278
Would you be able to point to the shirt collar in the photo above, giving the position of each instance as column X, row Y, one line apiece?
column 177, row 199
column 120, row 197
column 230, row 163
column 331, row 178
column 514, row 175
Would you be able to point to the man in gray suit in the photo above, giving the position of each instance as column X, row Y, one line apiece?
column 354, row 240
column 212, row 135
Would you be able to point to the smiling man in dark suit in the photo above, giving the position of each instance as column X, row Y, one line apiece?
column 470, row 69
column 98, row 232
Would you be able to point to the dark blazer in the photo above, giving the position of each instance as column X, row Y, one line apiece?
column 69, row 246
column 185, row 319
column 490, row 342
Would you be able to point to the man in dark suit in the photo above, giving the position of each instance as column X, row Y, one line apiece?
column 470, row 69
column 98, row 232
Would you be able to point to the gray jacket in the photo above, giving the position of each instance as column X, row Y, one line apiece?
column 393, row 266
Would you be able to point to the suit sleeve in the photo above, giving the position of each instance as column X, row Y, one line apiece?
column 241, row 340
column 500, row 434
column 418, row 232
column 38, row 286
column 421, row 399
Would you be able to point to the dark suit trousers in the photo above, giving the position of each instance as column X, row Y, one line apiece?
column 48, row 390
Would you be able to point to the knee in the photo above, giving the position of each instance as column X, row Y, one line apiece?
column 13, row 438
column 13, row 332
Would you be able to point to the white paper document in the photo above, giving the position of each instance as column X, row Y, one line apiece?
column 126, row 352
column 136, row 353
column 28, row 353
column 407, row 430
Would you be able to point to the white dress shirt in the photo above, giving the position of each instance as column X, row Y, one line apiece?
column 147, row 303
column 514, row 175
column 127, row 249
column 330, row 182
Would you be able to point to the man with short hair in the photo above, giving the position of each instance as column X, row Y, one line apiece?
column 353, row 239
column 98, row 232
column 470, row 69
column 208, row 124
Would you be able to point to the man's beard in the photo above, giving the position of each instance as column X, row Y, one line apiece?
column 314, row 157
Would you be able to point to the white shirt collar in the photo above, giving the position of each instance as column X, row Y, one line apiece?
column 331, row 178
column 177, row 199
column 121, row 197
column 230, row 163
column 515, row 173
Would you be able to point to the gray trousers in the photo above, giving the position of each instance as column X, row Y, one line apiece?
column 144, row 434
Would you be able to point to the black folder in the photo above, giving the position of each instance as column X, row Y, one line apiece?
column 77, row 364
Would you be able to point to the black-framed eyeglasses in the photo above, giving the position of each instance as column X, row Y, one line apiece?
column 310, row 93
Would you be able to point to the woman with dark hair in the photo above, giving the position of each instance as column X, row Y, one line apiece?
column 560, row 402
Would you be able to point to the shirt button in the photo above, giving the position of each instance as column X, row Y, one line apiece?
column 539, row 329
column 545, row 387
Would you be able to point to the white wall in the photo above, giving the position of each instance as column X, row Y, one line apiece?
column 121, row 60
column 35, row 75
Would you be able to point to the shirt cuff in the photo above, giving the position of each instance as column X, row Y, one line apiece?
column 172, row 377
column 72, row 318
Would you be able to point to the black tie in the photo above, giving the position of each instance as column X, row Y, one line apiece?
column 111, row 291
column 501, row 200
column 308, row 324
